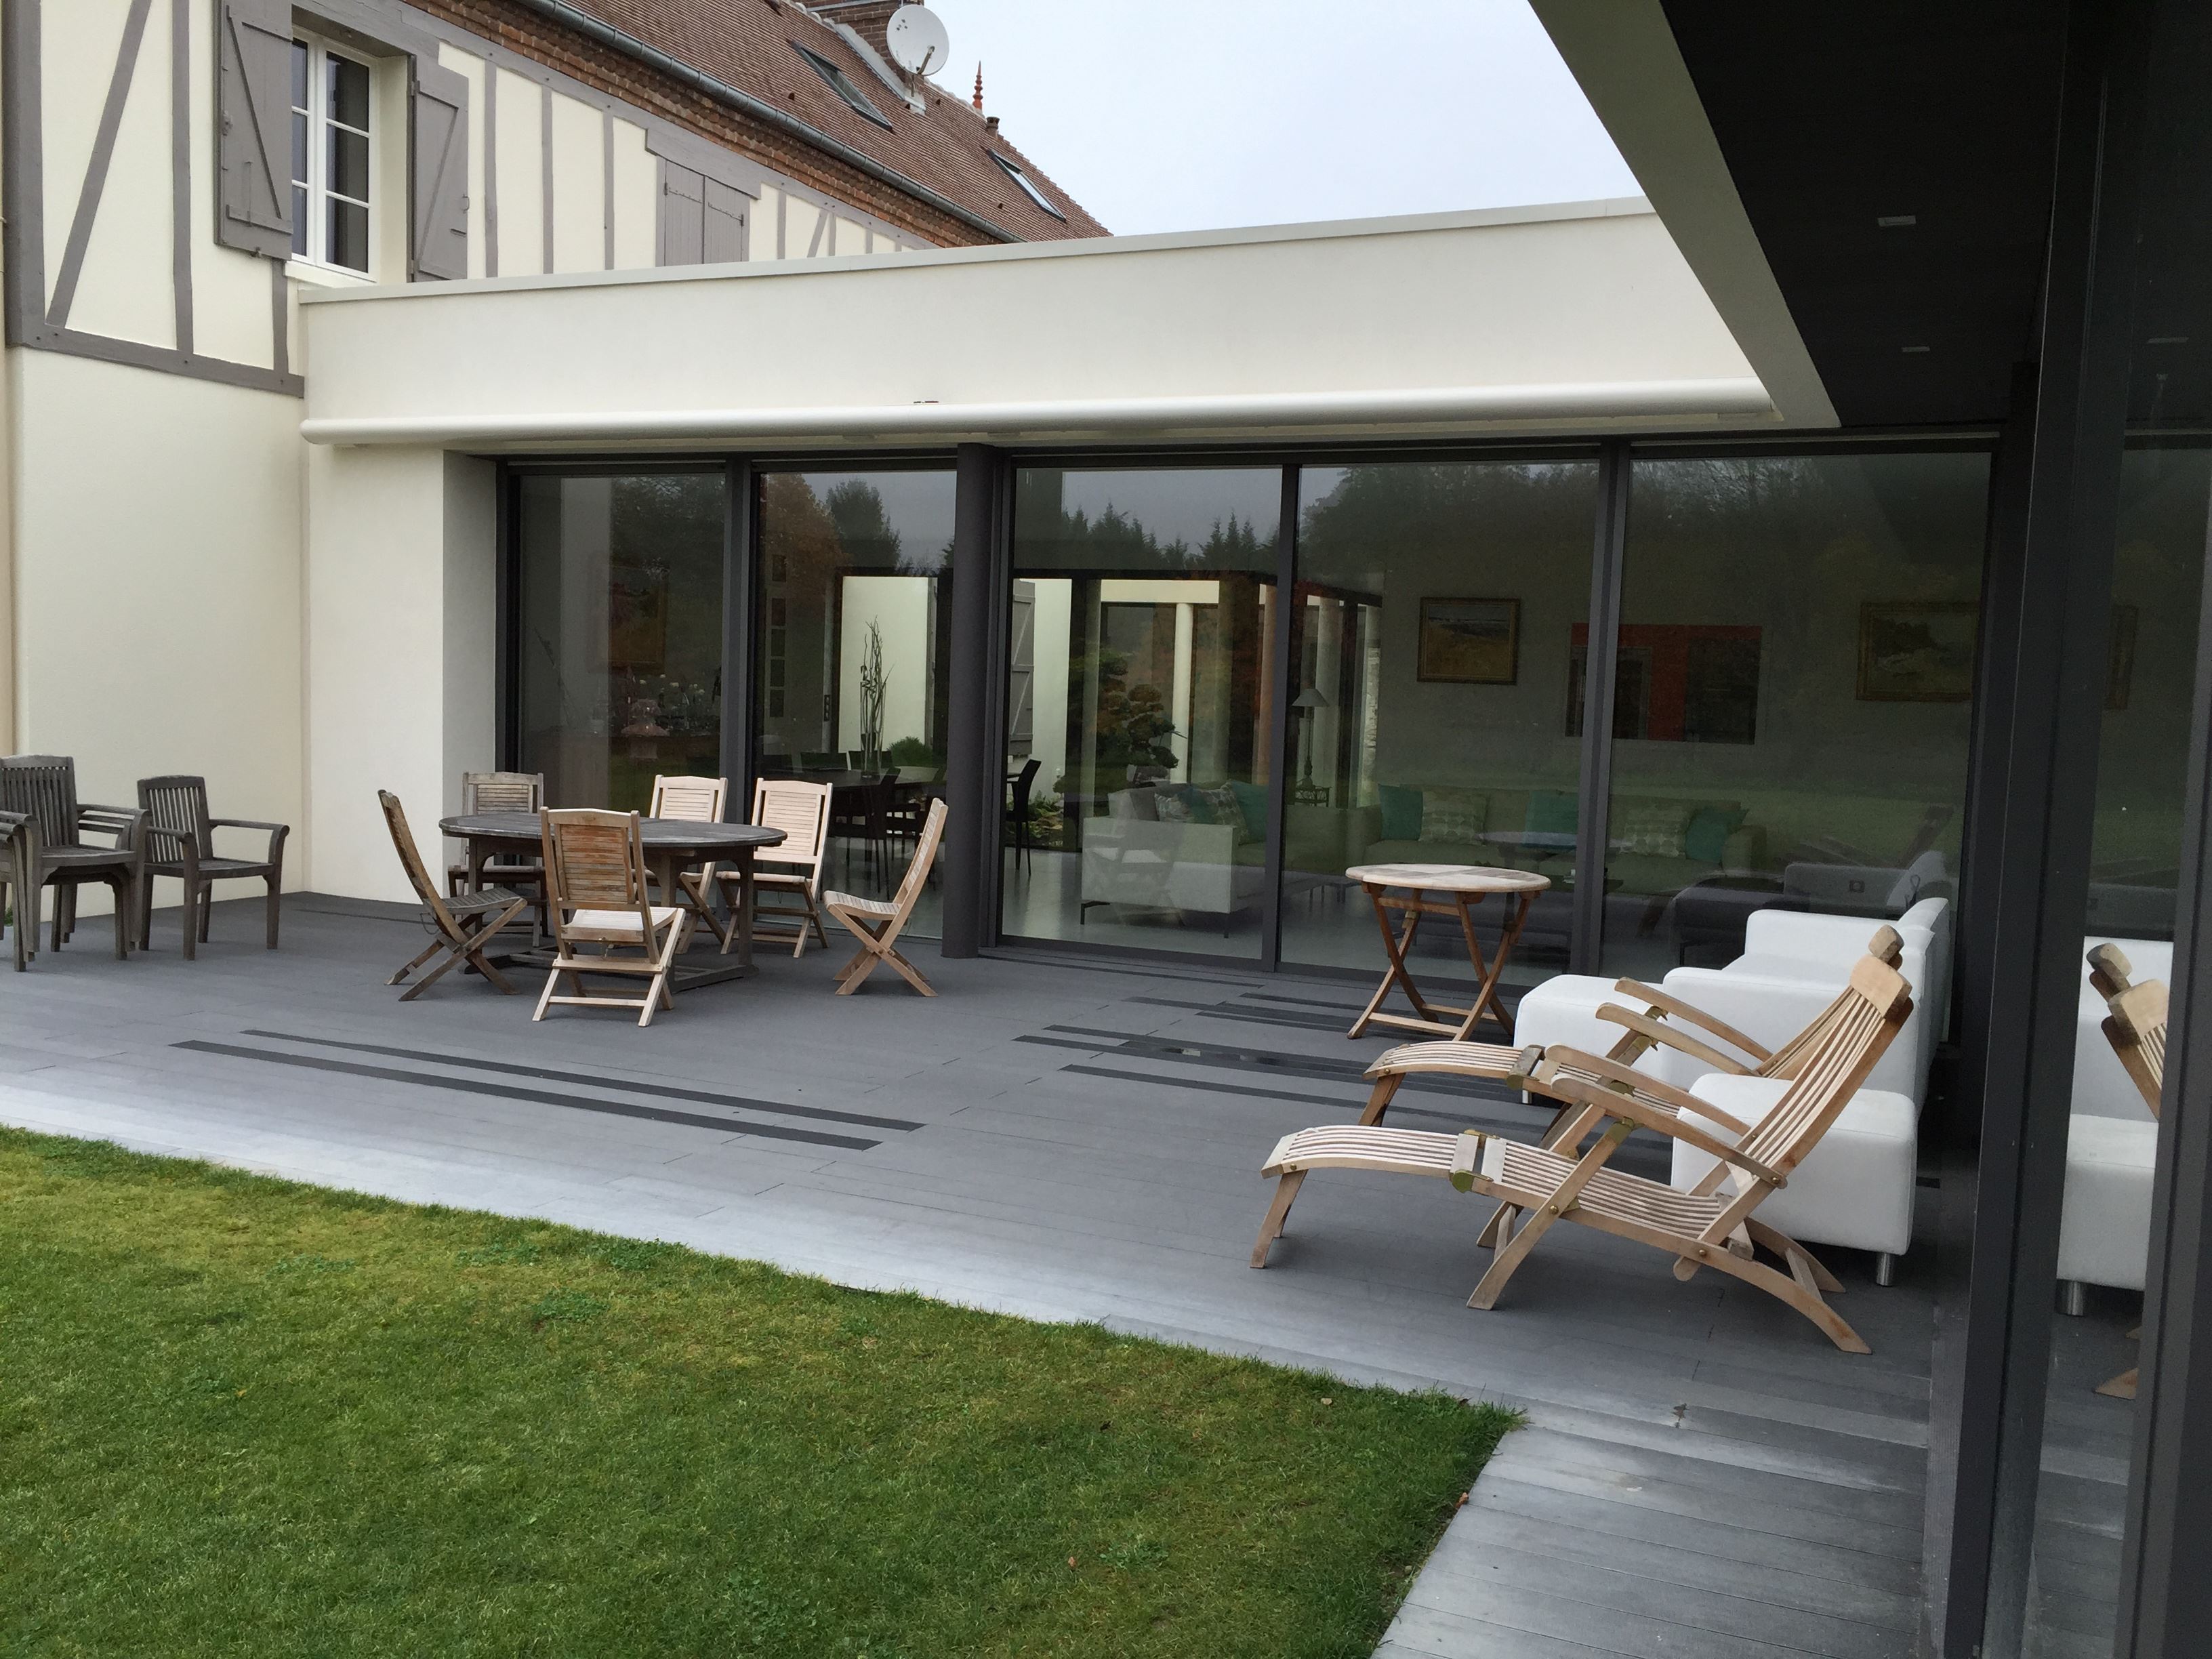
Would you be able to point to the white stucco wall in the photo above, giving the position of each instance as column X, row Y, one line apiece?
column 1581, row 318
column 157, row 584
column 400, row 662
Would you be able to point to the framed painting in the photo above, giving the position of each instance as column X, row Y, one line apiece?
column 1916, row 653
column 1470, row 641
column 637, row 618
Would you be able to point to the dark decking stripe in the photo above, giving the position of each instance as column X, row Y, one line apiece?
column 536, row 1097
column 1248, row 1016
column 1459, row 1119
column 554, row 1074
column 1312, row 1068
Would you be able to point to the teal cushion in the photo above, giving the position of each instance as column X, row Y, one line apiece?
column 1705, row 838
column 1252, row 802
column 1401, row 813
column 1553, row 812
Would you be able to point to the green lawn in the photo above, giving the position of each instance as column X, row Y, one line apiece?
column 242, row 1416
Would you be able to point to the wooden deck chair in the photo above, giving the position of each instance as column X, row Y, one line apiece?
column 1666, row 1021
column 695, row 800
column 877, row 925
column 2136, row 1027
column 596, row 883
column 461, row 926
column 1714, row 1226
column 801, row 811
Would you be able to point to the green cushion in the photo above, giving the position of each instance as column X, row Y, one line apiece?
column 1641, row 824
column 1252, row 802
column 1709, row 827
column 1401, row 813
column 1553, row 812
column 1455, row 815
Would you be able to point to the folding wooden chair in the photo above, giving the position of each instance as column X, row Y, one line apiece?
column 1666, row 1022
column 877, row 925
column 695, row 800
column 461, row 927
column 794, row 867
column 597, row 885
column 1713, row 1226
column 2136, row 1027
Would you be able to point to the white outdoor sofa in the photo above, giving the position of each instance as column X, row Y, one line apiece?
column 1857, row 1192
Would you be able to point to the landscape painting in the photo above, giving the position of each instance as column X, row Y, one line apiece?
column 1470, row 642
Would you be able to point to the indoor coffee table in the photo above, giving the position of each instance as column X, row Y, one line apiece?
column 670, row 845
column 1414, row 891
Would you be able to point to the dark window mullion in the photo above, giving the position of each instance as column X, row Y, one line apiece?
column 1279, row 721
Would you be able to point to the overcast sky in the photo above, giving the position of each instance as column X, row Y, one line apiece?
column 1197, row 115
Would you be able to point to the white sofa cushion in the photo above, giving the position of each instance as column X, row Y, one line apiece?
column 2104, row 1235
column 1772, row 1009
column 1855, row 1188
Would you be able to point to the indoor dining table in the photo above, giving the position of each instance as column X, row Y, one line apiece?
column 672, row 845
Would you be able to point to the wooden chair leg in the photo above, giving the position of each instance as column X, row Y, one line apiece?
column 1278, row 1211
column 907, row 971
column 1507, row 1259
column 865, row 964
column 453, row 960
column 207, row 910
column 193, row 933
column 145, row 911
column 1804, row 1299
column 553, row 977
column 429, row 951
column 2122, row 1387
column 126, row 902
column 1770, row 1239
column 1378, row 1102
column 276, row 909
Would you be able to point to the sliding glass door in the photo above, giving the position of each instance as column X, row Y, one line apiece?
column 617, row 631
column 1141, row 708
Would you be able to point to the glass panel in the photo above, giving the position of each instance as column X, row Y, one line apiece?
column 1441, row 610
column 1791, row 720
column 299, row 147
column 349, row 234
column 302, row 220
column 2144, row 746
column 1140, row 707
column 852, row 686
column 348, row 165
column 301, row 75
column 618, row 668
column 349, row 92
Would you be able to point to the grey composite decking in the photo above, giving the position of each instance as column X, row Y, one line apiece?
column 1702, row 1475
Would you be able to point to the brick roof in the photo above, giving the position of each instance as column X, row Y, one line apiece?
column 749, row 44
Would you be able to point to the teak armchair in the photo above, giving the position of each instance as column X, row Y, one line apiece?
column 180, row 844
column 596, row 879
column 503, row 792
column 801, row 811
column 695, row 800
column 19, row 863
column 460, row 927
column 877, row 925
column 43, row 787
column 1713, row 1226
column 2136, row 1027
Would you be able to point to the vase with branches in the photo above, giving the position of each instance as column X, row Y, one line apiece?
column 874, row 681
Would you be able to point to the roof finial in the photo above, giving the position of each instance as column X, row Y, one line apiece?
column 979, row 86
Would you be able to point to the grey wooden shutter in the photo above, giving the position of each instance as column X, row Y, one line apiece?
column 683, row 216
column 253, row 127
column 724, row 241
column 1021, row 671
column 438, row 152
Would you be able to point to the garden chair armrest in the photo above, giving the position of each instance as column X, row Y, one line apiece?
column 277, row 832
column 1629, row 1109
column 1615, row 1078
column 1678, row 1009
column 126, row 823
column 1670, row 1036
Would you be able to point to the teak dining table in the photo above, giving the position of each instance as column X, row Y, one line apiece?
column 1415, row 890
column 671, row 845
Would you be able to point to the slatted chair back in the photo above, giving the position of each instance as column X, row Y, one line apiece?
column 1888, row 947
column 595, row 861
column 1873, row 1011
column 2136, row 1030
column 925, row 854
column 176, row 810
column 801, row 811
column 694, row 800
column 43, row 787
column 410, row 860
column 2110, row 970
column 503, row 791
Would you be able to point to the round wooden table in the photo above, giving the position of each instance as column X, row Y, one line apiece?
column 1443, row 889
column 671, row 845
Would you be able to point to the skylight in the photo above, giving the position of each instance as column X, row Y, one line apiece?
column 1028, row 188
column 842, row 84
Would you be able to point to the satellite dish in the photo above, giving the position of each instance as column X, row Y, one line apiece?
column 917, row 39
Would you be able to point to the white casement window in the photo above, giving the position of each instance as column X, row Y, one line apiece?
column 332, row 190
